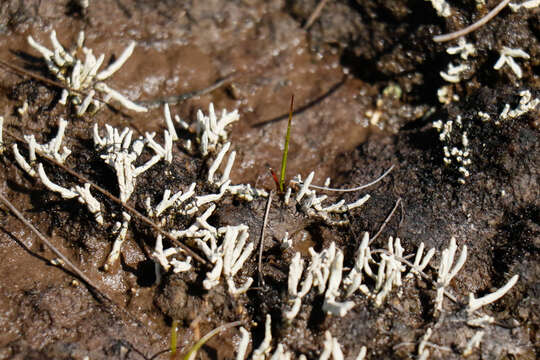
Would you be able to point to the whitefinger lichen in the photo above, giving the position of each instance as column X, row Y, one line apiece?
column 83, row 80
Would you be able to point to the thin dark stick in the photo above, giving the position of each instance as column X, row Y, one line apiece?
column 127, row 207
column 261, row 241
column 456, row 34
column 22, row 71
column 74, row 269
column 182, row 97
column 46, row 241
column 361, row 187
column 386, row 221
column 315, row 14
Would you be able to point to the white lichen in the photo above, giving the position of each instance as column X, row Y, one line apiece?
column 507, row 58
column 84, row 77
column 526, row 104
column 463, row 48
column 447, row 270
column 441, row 7
column 530, row 4
column 453, row 74
column 114, row 255
column 475, row 304
column 210, row 129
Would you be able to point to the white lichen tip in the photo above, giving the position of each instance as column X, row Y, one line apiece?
column 295, row 296
column 419, row 262
column 243, row 344
column 474, row 342
column 265, row 347
column 211, row 130
column 65, row 193
column 526, row 104
column 22, row 161
column 330, row 305
column 453, row 74
column 331, row 348
column 422, row 351
column 447, row 271
column 115, row 66
column 114, row 255
column 475, row 304
column 441, row 7
column 235, row 253
column 463, row 48
column 530, row 4
column 85, row 197
column 507, row 58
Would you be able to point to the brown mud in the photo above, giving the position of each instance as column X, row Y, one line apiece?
column 365, row 78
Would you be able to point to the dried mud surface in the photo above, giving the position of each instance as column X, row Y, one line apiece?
column 347, row 66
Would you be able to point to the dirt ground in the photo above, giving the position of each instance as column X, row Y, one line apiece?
column 365, row 77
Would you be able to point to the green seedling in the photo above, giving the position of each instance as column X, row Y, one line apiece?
column 174, row 339
column 286, row 148
column 192, row 353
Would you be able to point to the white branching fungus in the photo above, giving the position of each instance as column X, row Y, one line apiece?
column 169, row 201
column 526, row 104
column 312, row 205
column 243, row 344
column 507, row 58
column 441, row 7
column 390, row 269
column 330, row 305
column 423, row 353
column 80, row 76
column 161, row 255
column 164, row 151
column 447, row 270
column 331, row 348
column 353, row 281
column 265, row 347
column 114, row 255
column 65, row 193
column 85, row 197
column 82, row 194
column 23, row 109
column 22, row 161
column 242, row 191
column 459, row 155
column 200, row 227
column 235, row 253
column 530, row 4
column 481, row 321
column 295, row 296
column 419, row 262
column 463, row 48
column 211, row 130
column 280, row 353
column 362, row 354
column 453, row 74
column 52, row 148
column 120, row 154
column 475, row 304
column 286, row 241
column 474, row 342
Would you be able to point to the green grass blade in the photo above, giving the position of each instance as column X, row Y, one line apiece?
column 174, row 338
column 286, row 148
column 193, row 351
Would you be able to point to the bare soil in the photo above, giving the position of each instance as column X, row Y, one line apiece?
column 342, row 70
